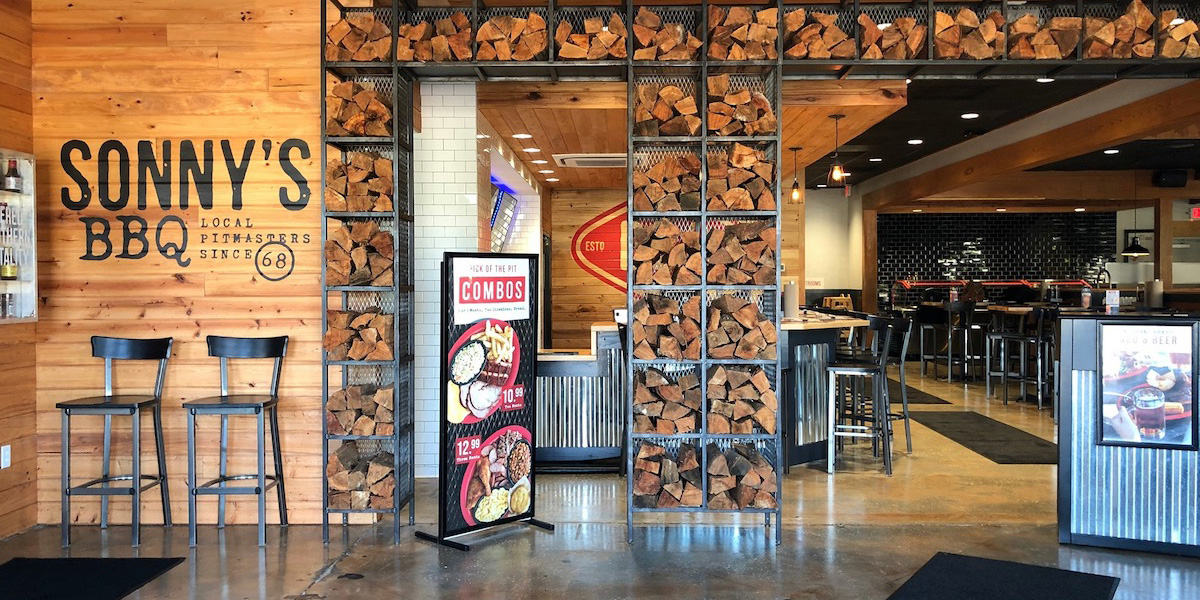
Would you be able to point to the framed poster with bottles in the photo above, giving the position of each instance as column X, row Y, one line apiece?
column 1147, row 384
column 18, row 242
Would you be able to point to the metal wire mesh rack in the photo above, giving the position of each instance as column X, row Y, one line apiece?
column 387, row 442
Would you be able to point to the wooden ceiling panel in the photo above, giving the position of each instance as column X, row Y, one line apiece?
column 562, row 131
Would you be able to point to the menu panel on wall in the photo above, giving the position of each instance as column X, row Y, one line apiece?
column 489, row 349
column 1147, row 391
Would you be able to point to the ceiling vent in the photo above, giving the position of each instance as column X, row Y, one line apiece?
column 590, row 161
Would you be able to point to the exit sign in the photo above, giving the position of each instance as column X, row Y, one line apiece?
column 1195, row 213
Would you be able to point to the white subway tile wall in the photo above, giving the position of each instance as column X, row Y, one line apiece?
column 445, row 164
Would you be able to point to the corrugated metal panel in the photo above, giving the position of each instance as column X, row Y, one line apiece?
column 812, row 408
column 1149, row 494
column 582, row 412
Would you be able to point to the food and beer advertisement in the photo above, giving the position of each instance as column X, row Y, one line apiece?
column 1148, row 395
column 489, row 345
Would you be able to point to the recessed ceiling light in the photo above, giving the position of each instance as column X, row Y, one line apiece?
column 821, row 185
column 531, row 149
column 915, row 142
column 539, row 161
column 1001, row 210
column 1045, row 80
column 1181, row 145
column 522, row 136
column 969, row 116
column 1111, row 151
column 875, row 159
column 1080, row 209
column 482, row 136
column 908, row 81
column 546, row 171
column 551, row 179
column 1177, row 21
column 916, row 210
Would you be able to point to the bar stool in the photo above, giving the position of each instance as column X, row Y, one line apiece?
column 998, row 343
column 1038, row 339
column 108, row 406
column 874, row 425
column 929, row 321
column 903, row 327
column 226, row 405
column 960, row 318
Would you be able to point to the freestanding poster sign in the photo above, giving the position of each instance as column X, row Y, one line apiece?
column 488, row 399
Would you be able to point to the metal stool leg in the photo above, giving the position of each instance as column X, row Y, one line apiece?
column 66, row 478
column 164, row 489
column 223, row 472
column 191, row 480
column 833, row 410
column 262, row 479
column 1023, row 369
column 282, row 497
column 904, row 409
column 1004, row 366
column 921, row 345
column 987, row 367
column 105, row 470
column 883, row 422
column 136, row 520
column 1040, row 378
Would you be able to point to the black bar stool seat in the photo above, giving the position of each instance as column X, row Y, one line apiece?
column 852, row 421
column 248, row 401
column 126, row 402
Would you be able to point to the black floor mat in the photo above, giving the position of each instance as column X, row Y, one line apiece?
column 915, row 396
column 957, row 577
column 996, row 441
column 79, row 578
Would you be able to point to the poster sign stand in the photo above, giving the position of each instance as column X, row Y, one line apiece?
column 487, row 431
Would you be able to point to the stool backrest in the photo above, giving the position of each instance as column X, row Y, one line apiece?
column 226, row 348
column 901, row 333
column 965, row 311
column 930, row 315
column 113, row 348
column 880, row 330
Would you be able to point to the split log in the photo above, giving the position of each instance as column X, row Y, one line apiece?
column 905, row 39
column 738, row 329
column 358, row 253
column 737, row 33
column 1178, row 37
column 445, row 39
column 672, row 183
column 965, row 35
column 665, row 480
column 353, row 110
column 1126, row 36
column 738, row 111
column 358, row 481
column 664, row 254
column 665, row 403
column 663, row 328
column 352, row 335
column 506, row 37
column 741, row 401
column 742, row 253
column 665, row 110
column 363, row 183
column 740, row 179
column 740, row 477
column 359, row 37
column 599, row 40
column 815, row 35
column 360, row 410
column 1051, row 39
column 657, row 40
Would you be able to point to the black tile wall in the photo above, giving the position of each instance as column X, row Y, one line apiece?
column 994, row 246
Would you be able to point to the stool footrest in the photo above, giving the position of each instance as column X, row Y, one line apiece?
column 213, row 487
column 87, row 489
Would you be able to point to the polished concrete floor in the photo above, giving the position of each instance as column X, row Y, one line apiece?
column 856, row 535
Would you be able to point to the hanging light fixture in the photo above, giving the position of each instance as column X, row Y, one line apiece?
column 795, row 197
column 837, row 174
column 1135, row 247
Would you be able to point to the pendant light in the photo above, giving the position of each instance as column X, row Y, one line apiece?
column 796, row 194
column 837, row 174
column 1135, row 247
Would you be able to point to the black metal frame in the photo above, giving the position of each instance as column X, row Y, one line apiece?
column 399, row 145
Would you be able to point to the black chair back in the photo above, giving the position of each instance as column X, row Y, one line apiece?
column 112, row 348
column 880, row 331
column 963, row 310
column 901, row 334
column 225, row 348
column 930, row 315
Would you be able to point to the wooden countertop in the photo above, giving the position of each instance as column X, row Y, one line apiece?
column 812, row 321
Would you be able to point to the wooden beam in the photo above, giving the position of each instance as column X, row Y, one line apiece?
column 1164, row 238
column 870, row 271
column 845, row 93
column 1147, row 116
column 581, row 95
column 1187, row 132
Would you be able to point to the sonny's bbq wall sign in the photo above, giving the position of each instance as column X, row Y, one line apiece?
column 145, row 192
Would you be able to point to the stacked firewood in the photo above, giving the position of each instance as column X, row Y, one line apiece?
column 737, row 33
column 742, row 253
column 815, row 35
column 443, row 40
column 739, row 478
column 666, row 406
column 965, row 35
column 1053, row 39
column 361, row 184
column 739, row 400
column 664, row 481
column 657, row 40
column 358, row 37
column 1177, row 40
column 662, row 328
column 740, row 179
column 664, row 254
column 353, row 110
column 904, row 40
column 360, row 410
column 664, row 110
column 597, row 41
column 672, row 183
column 352, row 335
column 505, row 37
column 358, row 253
column 1126, row 36
column 738, row 111
column 359, row 481
column 738, row 329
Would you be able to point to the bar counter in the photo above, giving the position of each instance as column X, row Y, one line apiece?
column 581, row 400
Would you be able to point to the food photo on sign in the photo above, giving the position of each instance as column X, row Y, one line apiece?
column 1147, row 390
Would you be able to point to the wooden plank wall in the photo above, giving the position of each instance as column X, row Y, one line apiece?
column 169, row 71
column 578, row 299
column 18, row 498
